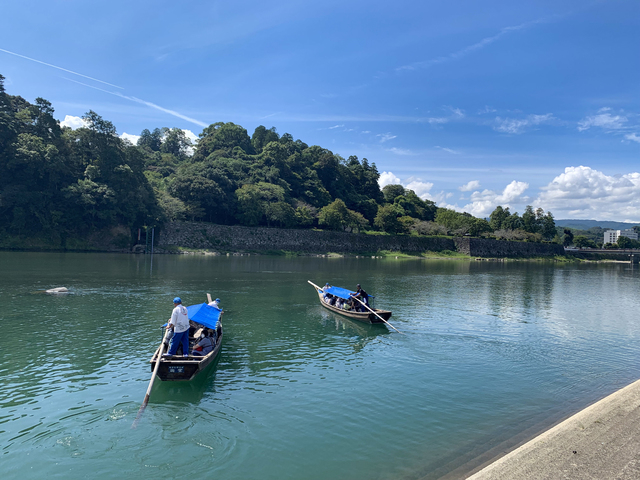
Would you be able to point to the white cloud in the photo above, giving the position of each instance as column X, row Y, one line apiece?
column 388, row 178
column 448, row 150
column 603, row 120
column 472, row 185
column 517, row 126
column 633, row 137
column 484, row 202
column 487, row 109
column 582, row 192
column 385, row 137
column 191, row 136
column 401, row 151
column 336, row 126
column 420, row 188
column 132, row 138
column 72, row 122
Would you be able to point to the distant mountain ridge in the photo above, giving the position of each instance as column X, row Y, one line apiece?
column 587, row 224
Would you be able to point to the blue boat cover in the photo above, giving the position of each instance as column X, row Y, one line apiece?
column 204, row 314
column 340, row 292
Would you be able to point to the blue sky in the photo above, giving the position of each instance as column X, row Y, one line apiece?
column 471, row 104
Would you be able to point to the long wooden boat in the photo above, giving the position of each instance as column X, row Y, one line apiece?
column 380, row 316
column 203, row 319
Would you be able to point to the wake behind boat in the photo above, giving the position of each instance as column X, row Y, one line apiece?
column 204, row 322
column 369, row 315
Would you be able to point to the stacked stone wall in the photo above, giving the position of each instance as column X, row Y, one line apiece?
column 223, row 238
column 484, row 247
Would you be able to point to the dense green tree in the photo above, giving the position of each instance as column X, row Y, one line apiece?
column 581, row 241
column 151, row 140
column 261, row 136
column 176, row 143
column 567, row 239
column 391, row 192
column 221, row 138
column 388, row 219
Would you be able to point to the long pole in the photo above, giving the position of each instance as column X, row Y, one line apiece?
column 153, row 378
column 365, row 306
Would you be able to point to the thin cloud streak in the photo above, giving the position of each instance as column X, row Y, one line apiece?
column 469, row 49
column 148, row 104
column 60, row 68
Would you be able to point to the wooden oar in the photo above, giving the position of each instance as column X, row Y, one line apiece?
column 372, row 311
column 153, row 378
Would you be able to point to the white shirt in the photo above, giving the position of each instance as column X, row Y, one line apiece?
column 215, row 304
column 179, row 319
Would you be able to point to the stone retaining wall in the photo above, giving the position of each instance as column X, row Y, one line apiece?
column 223, row 238
column 236, row 238
column 483, row 247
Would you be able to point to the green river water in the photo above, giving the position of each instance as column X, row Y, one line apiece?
column 490, row 354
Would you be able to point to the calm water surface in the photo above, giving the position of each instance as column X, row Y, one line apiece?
column 491, row 353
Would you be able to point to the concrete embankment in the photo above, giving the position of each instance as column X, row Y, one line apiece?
column 600, row 442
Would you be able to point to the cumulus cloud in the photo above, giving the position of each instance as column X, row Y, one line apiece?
column 132, row 138
column 420, row 188
column 72, row 122
column 416, row 184
column 516, row 126
column 191, row 136
column 484, row 202
column 582, row 192
column 602, row 120
column 388, row 178
column 472, row 185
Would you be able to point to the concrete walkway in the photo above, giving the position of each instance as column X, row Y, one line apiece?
column 601, row 442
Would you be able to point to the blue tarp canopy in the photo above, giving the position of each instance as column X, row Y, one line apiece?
column 204, row 314
column 339, row 292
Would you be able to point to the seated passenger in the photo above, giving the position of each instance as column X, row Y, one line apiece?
column 204, row 346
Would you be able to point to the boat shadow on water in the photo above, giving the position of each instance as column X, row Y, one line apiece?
column 362, row 333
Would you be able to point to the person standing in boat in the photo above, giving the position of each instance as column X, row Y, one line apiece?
column 362, row 296
column 216, row 303
column 179, row 323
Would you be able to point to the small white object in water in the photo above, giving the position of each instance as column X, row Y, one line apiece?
column 58, row 290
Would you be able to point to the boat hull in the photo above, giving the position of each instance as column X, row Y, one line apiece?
column 179, row 368
column 365, row 317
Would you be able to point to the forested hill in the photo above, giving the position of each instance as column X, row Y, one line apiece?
column 58, row 183
column 57, row 180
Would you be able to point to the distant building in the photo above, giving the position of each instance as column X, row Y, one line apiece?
column 612, row 236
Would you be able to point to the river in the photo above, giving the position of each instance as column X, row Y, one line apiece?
column 490, row 353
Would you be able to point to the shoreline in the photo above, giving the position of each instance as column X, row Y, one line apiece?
column 600, row 441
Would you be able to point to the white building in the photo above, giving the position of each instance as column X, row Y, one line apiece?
column 612, row 236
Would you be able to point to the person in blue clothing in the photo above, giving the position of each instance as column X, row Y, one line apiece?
column 179, row 323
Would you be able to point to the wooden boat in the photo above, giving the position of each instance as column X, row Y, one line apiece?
column 203, row 319
column 380, row 316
